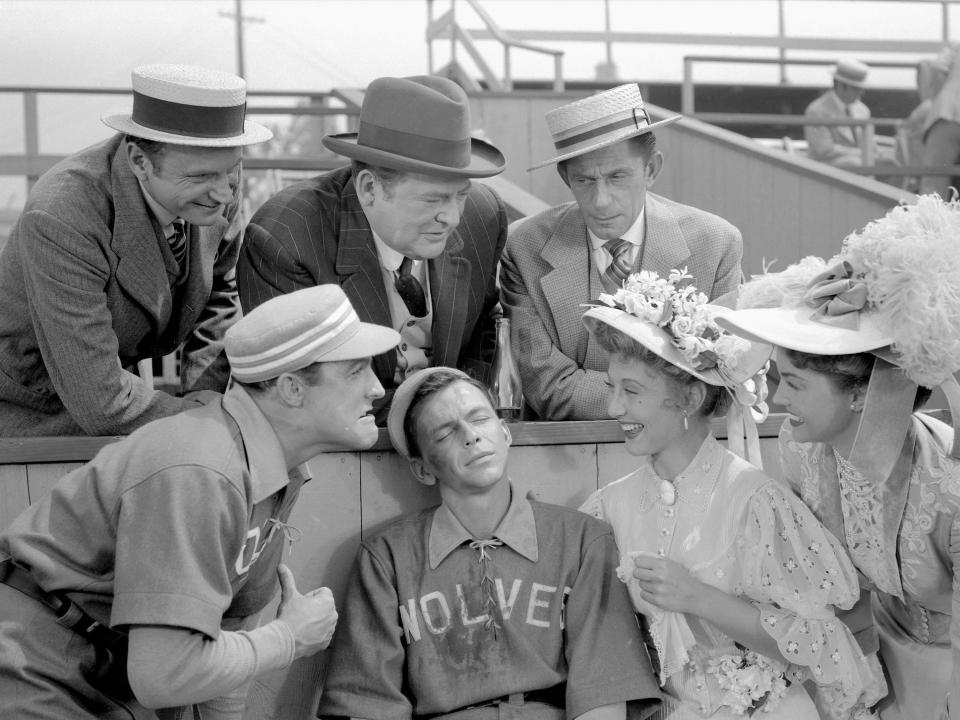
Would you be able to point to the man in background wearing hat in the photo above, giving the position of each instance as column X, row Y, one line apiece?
column 136, row 582
column 123, row 252
column 841, row 144
column 490, row 605
column 411, row 240
column 566, row 256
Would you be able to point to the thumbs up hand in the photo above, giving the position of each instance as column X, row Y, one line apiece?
column 312, row 617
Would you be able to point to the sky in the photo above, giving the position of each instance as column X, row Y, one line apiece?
column 322, row 44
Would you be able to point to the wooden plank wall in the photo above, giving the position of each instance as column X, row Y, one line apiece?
column 786, row 206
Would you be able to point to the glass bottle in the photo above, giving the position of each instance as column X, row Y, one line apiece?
column 505, row 375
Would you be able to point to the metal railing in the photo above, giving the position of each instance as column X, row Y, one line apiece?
column 446, row 27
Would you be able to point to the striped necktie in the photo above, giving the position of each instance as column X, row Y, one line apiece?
column 178, row 243
column 619, row 268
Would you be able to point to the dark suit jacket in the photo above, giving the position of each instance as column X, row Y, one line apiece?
column 315, row 232
column 85, row 291
column 548, row 274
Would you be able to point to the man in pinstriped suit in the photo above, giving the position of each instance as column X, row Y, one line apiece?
column 404, row 213
column 564, row 257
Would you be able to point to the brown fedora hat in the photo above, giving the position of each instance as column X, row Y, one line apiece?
column 418, row 124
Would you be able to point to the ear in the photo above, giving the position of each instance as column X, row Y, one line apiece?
column 365, row 182
column 695, row 395
column 653, row 168
column 291, row 390
column 421, row 473
column 139, row 162
column 857, row 397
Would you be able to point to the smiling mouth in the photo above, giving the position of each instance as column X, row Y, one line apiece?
column 631, row 429
column 795, row 419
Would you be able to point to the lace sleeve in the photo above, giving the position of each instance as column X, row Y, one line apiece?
column 795, row 571
column 593, row 506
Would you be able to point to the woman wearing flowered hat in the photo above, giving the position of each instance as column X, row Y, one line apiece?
column 735, row 577
column 861, row 341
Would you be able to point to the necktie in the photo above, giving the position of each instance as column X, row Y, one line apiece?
column 410, row 290
column 178, row 243
column 619, row 268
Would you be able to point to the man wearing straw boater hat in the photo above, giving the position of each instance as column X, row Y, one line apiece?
column 566, row 256
column 125, row 251
column 412, row 241
column 136, row 583
column 839, row 144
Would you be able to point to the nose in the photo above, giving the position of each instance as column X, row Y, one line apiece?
column 601, row 194
column 778, row 396
column 376, row 389
column 449, row 214
column 614, row 405
column 222, row 190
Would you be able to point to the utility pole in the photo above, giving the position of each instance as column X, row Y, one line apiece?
column 239, row 19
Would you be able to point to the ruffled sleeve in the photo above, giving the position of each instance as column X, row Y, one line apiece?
column 795, row 571
column 593, row 506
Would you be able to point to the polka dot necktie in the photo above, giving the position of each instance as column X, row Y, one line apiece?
column 619, row 268
column 178, row 243
column 410, row 290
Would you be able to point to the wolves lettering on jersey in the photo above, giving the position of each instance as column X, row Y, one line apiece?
column 438, row 612
column 253, row 548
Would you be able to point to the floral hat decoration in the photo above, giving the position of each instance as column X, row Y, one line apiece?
column 670, row 317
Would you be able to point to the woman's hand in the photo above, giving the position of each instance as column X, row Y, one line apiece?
column 668, row 584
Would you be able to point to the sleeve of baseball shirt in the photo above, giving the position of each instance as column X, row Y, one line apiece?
column 66, row 274
column 190, row 521
column 553, row 384
column 174, row 666
column 365, row 671
column 607, row 658
column 204, row 364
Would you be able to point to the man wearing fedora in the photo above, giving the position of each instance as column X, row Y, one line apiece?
column 412, row 241
column 135, row 584
column 564, row 257
column 839, row 144
column 125, row 251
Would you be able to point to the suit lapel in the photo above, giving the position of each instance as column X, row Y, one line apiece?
column 140, row 265
column 359, row 266
column 449, row 289
column 567, row 286
column 664, row 248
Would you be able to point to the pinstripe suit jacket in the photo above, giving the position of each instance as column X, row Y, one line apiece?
column 315, row 232
column 547, row 273
column 85, row 291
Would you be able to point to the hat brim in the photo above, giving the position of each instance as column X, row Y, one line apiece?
column 861, row 84
column 612, row 139
column 368, row 341
column 400, row 404
column 793, row 328
column 253, row 133
column 658, row 341
column 485, row 160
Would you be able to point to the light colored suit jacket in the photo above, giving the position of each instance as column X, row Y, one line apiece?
column 547, row 274
column 315, row 232
column 85, row 292
column 834, row 144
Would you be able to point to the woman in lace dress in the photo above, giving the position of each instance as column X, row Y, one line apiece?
column 735, row 577
column 861, row 340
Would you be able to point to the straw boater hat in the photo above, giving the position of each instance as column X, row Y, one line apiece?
column 400, row 405
column 188, row 105
column 292, row 331
column 851, row 72
column 598, row 121
column 418, row 124
column 676, row 322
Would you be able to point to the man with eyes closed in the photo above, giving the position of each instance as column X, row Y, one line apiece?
column 489, row 606
column 564, row 257
column 413, row 242
column 126, row 251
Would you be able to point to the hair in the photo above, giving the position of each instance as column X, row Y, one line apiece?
column 433, row 384
column 645, row 145
column 312, row 374
column 153, row 149
column 847, row 372
column 716, row 398
column 387, row 177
